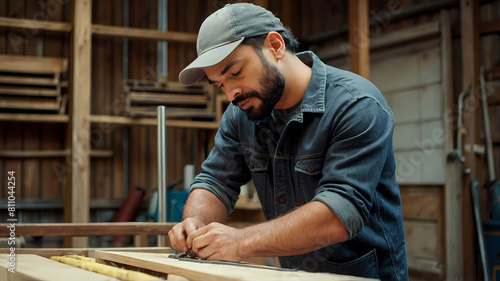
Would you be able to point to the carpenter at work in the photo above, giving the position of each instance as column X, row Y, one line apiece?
column 317, row 142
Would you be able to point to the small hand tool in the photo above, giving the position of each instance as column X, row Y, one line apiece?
column 188, row 254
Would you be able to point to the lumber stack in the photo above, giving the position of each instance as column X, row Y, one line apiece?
column 193, row 102
column 32, row 84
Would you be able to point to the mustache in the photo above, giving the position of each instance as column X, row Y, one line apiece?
column 244, row 96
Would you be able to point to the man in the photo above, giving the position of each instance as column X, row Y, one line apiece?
column 317, row 142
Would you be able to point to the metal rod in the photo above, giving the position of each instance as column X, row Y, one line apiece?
column 162, row 170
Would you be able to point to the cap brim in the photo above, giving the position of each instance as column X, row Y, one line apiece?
column 194, row 71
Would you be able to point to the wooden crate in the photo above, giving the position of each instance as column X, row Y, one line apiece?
column 32, row 84
column 181, row 102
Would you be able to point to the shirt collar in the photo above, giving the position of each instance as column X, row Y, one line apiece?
column 314, row 97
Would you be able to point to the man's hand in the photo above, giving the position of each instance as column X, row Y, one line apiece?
column 216, row 242
column 181, row 231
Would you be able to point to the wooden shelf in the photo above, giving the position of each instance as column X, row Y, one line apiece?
column 144, row 121
column 101, row 30
column 50, row 153
column 35, row 24
column 38, row 118
column 143, row 33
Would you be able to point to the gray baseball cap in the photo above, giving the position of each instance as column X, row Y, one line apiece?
column 223, row 31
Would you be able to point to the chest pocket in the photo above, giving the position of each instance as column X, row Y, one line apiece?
column 309, row 171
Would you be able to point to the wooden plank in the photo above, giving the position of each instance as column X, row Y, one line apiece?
column 210, row 271
column 424, row 207
column 26, row 117
column 35, row 24
column 78, row 181
column 50, row 153
column 29, row 103
column 86, row 252
column 33, row 267
column 29, row 91
column 453, row 255
column 88, row 229
column 29, row 64
column 143, row 33
column 422, row 244
column 469, row 15
column 359, row 37
column 28, row 80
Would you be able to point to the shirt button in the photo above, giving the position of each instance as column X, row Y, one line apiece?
column 310, row 169
column 282, row 200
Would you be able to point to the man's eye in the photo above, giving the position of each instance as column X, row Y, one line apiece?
column 236, row 73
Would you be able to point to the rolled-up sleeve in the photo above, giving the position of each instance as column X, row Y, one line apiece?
column 224, row 171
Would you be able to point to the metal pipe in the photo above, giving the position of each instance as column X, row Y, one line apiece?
column 162, row 46
column 487, row 130
column 162, row 170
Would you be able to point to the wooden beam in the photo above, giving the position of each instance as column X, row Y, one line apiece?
column 50, row 153
column 35, row 24
column 453, row 257
column 77, row 193
column 469, row 25
column 143, row 33
column 88, row 229
column 359, row 37
column 25, row 117
column 29, row 64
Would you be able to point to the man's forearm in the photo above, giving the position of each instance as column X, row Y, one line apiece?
column 205, row 206
column 303, row 230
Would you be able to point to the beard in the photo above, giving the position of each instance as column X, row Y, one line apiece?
column 273, row 85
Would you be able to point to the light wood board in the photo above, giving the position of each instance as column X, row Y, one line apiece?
column 33, row 267
column 208, row 271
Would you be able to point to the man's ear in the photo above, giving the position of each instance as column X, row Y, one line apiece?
column 275, row 43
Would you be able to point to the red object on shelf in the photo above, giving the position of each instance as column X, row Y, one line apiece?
column 126, row 212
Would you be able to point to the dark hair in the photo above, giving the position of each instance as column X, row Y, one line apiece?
column 290, row 42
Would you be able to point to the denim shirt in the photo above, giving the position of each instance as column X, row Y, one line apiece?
column 337, row 149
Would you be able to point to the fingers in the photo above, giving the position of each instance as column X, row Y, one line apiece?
column 181, row 231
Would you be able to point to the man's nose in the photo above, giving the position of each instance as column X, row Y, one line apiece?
column 232, row 92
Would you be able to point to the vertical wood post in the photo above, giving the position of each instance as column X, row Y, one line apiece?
column 77, row 195
column 453, row 187
column 359, row 37
column 469, row 13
